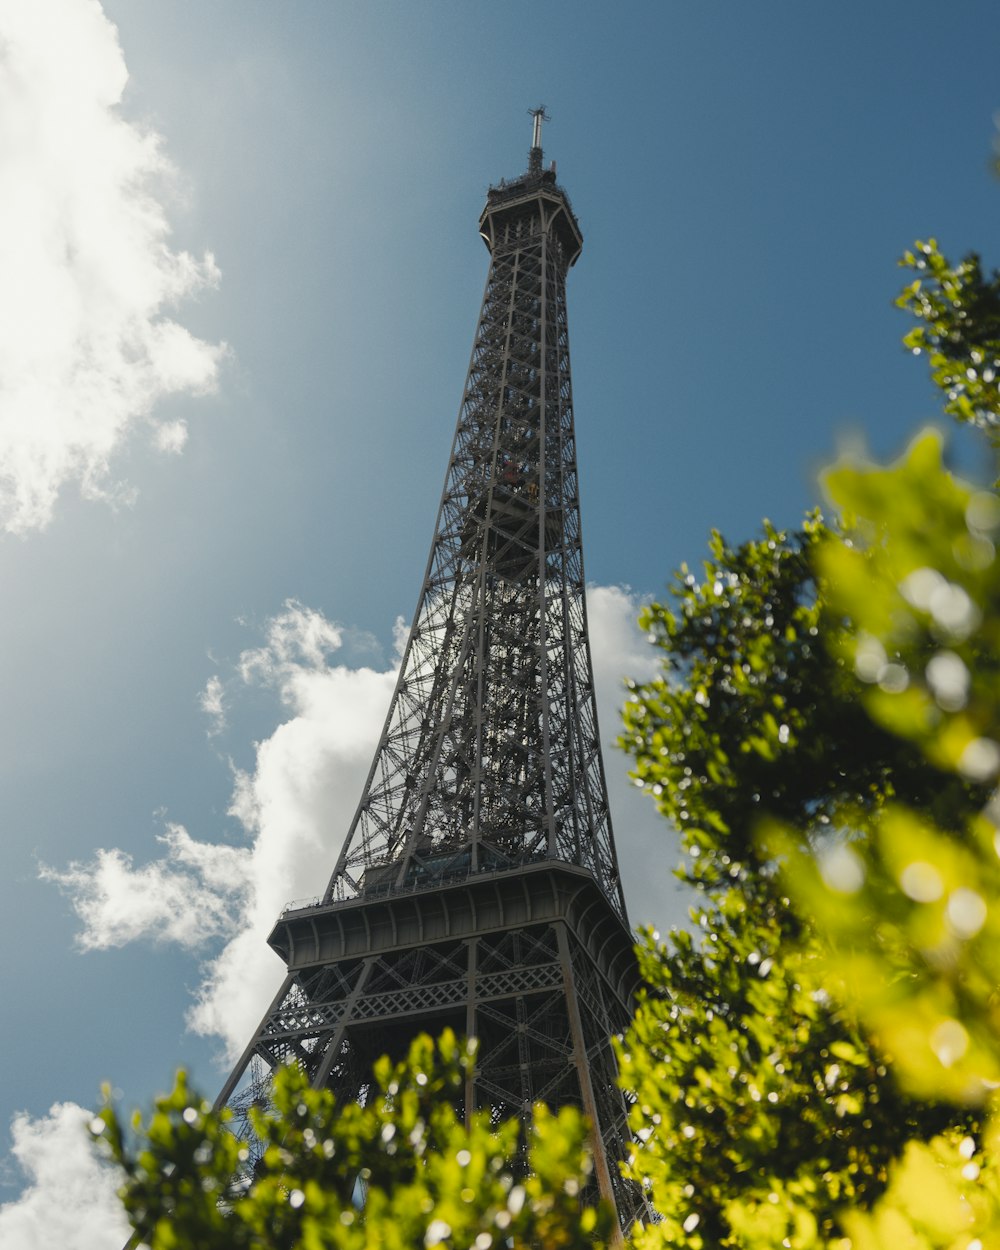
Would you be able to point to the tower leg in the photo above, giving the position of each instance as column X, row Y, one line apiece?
column 582, row 1062
column 241, row 1066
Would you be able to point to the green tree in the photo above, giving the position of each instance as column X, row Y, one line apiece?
column 750, row 1078
column 401, row 1172
column 908, row 913
column 958, row 313
column 785, row 740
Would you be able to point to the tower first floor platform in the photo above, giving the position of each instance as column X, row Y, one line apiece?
column 531, row 962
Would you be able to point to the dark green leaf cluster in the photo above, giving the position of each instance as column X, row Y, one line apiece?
column 756, row 713
column 959, row 309
column 711, row 738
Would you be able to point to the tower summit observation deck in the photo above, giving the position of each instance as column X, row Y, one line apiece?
column 478, row 886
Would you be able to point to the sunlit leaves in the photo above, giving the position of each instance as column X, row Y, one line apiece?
column 959, row 314
column 749, row 1083
column 918, row 578
column 760, row 1103
column 400, row 1172
column 914, row 939
column 758, row 712
column 944, row 1194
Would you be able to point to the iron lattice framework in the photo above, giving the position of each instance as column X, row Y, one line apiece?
column 478, row 886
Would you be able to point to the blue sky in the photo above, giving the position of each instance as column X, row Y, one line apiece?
column 205, row 646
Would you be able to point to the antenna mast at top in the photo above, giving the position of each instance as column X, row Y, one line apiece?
column 535, row 155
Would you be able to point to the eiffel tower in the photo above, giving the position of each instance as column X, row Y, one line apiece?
column 478, row 886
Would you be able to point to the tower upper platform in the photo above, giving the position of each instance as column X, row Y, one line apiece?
column 534, row 197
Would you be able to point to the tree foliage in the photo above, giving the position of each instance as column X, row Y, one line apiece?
column 750, row 1083
column 756, row 712
column 958, row 309
column 400, row 1172
column 751, row 1079
column 818, row 1067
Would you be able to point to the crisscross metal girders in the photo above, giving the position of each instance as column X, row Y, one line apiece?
column 527, row 1041
column 313, row 1006
column 316, row 1012
column 434, row 731
column 297, row 1027
column 349, row 1075
column 412, row 982
column 255, row 1092
column 518, row 985
column 516, row 948
column 432, row 998
column 422, row 965
column 490, row 750
column 524, row 1052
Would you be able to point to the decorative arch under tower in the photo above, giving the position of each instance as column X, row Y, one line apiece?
column 478, row 886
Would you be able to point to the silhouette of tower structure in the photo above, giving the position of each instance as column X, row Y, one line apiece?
column 478, row 886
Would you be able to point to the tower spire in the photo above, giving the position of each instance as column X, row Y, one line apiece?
column 535, row 155
column 478, row 885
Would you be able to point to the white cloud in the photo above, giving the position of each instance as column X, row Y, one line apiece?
column 400, row 636
column 70, row 1201
column 617, row 648
column 86, row 345
column 213, row 705
column 171, row 437
column 648, row 849
column 298, row 639
column 191, row 895
column 296, row 804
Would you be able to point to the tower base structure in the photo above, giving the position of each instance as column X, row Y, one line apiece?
column 532, row 963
